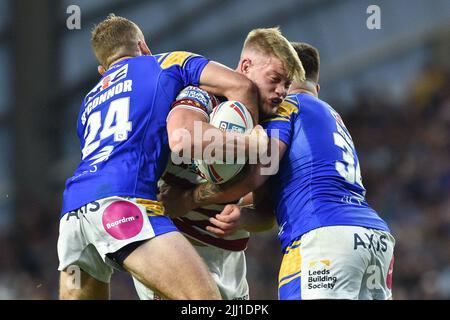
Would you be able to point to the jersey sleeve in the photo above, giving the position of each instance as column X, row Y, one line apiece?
column 186, row 64
column 280, row 125
column 196, row 99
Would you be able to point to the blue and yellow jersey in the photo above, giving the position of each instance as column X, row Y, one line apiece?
column 319, row 181
column 122, row 127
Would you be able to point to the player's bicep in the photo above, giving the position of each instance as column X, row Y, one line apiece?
column 188, row 107
column 180, row 124
column 181, row 116
column 216, row 77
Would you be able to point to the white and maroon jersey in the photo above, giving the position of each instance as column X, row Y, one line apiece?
column 193, row 225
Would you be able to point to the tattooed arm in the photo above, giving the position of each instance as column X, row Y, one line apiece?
column 177, row 202
column 251, row 178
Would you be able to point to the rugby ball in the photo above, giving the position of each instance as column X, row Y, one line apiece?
column 230, row 116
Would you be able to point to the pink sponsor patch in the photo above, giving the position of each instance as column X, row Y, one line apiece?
column 122, row 220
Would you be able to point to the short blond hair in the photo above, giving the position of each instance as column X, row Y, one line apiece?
column 114, row 37
column 270, row 41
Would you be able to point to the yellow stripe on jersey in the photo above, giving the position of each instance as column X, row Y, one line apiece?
column 294, row 245
column 290, row 100
column 294, row 276
column 291, row 265
column 176, row 58
column 285, row 110
column 277, row 119
column 153, row 208
column 162, row 57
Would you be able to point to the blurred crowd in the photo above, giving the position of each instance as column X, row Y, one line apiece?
column 404, row 150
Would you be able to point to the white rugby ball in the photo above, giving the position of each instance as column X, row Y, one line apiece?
column 228, row 116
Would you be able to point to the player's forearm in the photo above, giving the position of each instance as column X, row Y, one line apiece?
column 195, row 139
column 216, row 144
column 245, row 182
column 253, row 177
column 209, row 193
column 190, row 136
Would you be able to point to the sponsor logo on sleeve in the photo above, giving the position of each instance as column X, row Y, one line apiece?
column 196, row 94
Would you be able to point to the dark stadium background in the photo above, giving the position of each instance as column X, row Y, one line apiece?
column 391, row 85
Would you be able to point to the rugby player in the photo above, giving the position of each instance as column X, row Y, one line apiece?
column 269, row 60
column 110, row 215
column 335, row 245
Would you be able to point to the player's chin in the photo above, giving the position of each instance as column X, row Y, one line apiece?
column 270, row 109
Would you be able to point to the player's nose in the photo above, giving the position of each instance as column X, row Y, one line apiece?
column 281, row 91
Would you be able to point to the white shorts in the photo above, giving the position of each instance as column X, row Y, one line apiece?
column 88, row 234
column 338, row 262
column 228, row 269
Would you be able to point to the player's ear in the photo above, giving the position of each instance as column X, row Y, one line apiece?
column 101, row 70
column 318, row 87
column 245, row 65
column 144, row 48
